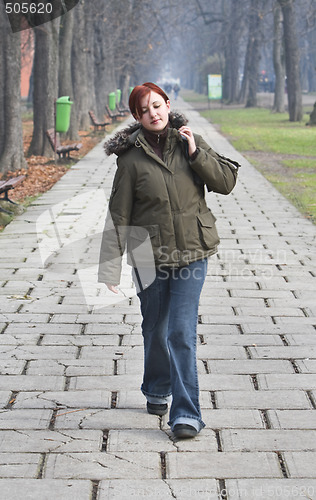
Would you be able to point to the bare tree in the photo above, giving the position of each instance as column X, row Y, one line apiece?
column 11, row 143
column 45, row 84
column 278, row 60
column 65, row 84
column 292, row 60
column 249, row 86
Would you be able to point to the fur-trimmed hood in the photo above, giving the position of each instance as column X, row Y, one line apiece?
column 125, row 139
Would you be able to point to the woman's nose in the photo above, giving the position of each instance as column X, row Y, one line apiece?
column 152, row 111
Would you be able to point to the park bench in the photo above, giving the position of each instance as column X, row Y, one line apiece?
column 96, row 123
column 62, row 151
column 114, row 114
column 6, row 186
column 123, row 109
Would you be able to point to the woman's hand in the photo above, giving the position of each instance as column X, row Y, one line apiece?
column 187, row 133
column 112, row 288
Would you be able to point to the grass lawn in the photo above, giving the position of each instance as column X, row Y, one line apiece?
column 283, row 151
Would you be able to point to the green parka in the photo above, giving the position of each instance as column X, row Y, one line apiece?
column 162, row 200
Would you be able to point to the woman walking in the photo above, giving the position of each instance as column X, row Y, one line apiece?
column 158, row 189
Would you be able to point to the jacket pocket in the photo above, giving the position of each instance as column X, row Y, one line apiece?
column 207, row 229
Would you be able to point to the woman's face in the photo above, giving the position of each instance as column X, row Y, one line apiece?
column 155, row 112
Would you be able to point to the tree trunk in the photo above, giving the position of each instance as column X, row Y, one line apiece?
column 104, row 76
column 292, row 61
column 232, row 28
column 11, row 137
column 80, row 75
column 278, row 61
column 255, row 36
column 65, row 87
column 45, row 85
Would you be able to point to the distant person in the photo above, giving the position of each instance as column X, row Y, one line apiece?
column 159, row 185
column 176, row 90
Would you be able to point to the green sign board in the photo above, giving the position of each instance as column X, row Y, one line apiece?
column 214, row 86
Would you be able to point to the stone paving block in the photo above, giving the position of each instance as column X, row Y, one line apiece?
column 23, row 465
column 141, row 440
column 132, row 339
column 236, row 320
column 115, row 352
column 185, row 489
column 220, row 352
column 301, row 339
column 44, row 329
column 24, row 318
column 117, row 489
column 25, row 419
column 44, row 489
column 131, row 399
column 217, row 329
column 269, row 311
column 300, row 464
column 106, row 318
column 81, row 340
column 243, row 340
column 261, row 489
column 11, row 366
column 121, row 465
column 109, row 382
column 4, row 398
column 232, row 419
column 10, row 303
column 222, row 382
column 31, row 383
column 292, row 419
column 108, row 329
column 263, row 294
column 107, row 419
column 222, row 465
column 65, row 319
column 284, row 352
column 46, row 367
column 29, row 352
column 249, row 366
column 304, row 381
column 295, row 320
column 132, row 367
column 268, row 440
column 45, row 306
column 277, row 329
column 65, row 399
column 306, row 365
column 293, row 399
column 19, row 339
column 47, row 441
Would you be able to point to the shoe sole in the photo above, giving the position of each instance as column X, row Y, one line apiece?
column 184, row 434
column 160, row 413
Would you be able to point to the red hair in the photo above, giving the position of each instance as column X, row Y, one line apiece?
column 141, row 91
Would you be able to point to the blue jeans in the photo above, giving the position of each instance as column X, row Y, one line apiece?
column 169, row 308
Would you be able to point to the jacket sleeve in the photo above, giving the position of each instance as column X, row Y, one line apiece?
column 216, row 171
column 116, row 226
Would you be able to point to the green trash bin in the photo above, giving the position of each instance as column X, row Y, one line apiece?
column 112, row 101
column 131, row 90
column 118, row 96
column 63, row 110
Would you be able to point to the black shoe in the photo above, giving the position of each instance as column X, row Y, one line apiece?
column 184, row 431
column 157, row 409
